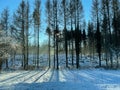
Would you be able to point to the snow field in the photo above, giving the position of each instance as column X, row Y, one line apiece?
column 64, row 79
column 85, row 78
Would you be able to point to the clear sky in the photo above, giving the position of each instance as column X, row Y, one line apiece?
column 13, row 4
column 87, row 9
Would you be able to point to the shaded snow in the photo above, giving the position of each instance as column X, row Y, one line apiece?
column 88, row 79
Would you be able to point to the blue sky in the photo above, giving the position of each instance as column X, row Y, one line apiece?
column 13, row 4
column 87, row 9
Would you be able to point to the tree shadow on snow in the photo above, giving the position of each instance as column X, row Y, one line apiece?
column 41, row 76
column 71, row 80
column 54, row 76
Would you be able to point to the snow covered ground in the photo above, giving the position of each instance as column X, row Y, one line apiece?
column 86, row 78
column 64, row 79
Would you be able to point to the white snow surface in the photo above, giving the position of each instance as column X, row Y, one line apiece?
column 63, row 79
column 86, row 78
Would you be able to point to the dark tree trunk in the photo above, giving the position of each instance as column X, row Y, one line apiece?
column 54, row 50
column 57, row 52
column 117, row 61
column 0, row 65
column 49, row 51
column 77, row 48
column 66, row 48
column 100, row 59
column 38, row 47
column 6, row 63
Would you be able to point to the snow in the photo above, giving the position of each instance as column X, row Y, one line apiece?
column 86, row 78
column 63, row 79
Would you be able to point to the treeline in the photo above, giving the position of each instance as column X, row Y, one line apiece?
column 67, row 30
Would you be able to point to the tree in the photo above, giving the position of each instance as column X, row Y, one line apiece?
column 107, row 13
column 5, row 24
column 72, row 11
column 90, row 37
column 55, row 24
column 22, row 9
column 78, row 17
column 84, row 40
column 96, row 14
column 108, row 10
column 115, row 25
column 21, row 27
column 27, row 33
column 36, row 17
column 98, row 43
column 64, row 7
column 48, row 30
column 7, row 45
column 57, row 37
